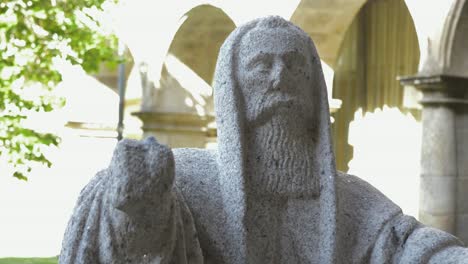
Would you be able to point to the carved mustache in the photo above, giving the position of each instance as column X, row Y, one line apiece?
column 272, row 102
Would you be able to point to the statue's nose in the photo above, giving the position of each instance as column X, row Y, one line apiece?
column 278, row 74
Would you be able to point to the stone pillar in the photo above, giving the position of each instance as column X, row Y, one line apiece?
column 444, row 156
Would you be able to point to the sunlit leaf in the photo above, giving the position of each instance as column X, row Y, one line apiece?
column 41, row 32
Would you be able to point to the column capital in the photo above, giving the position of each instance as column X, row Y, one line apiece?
column 181, row 122
column 439, row 89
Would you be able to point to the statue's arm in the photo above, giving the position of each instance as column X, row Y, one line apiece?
column 78, row 240
column 404, row 240
column 450, row 254
column 385, row 234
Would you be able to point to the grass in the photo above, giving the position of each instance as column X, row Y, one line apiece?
column 53, row 260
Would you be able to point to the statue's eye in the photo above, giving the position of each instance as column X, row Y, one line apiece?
column 295, row 62
column 261, row 63
column 262, row 66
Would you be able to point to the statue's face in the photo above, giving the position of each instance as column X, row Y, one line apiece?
column 274, row 73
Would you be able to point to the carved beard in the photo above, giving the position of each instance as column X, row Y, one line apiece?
column 281, row 157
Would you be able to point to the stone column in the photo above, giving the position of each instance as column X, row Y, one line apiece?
column 444, row 156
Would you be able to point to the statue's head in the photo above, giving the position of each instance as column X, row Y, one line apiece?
column 275, row 61
column 273, row 125
column 140, row 174
column 269, row 79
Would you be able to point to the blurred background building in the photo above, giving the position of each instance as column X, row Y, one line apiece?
column 397, row 76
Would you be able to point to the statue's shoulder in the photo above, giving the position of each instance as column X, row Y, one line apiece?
column 196, row 172
column 353, row 192
column 187, row 156
column 197, row 179
column 362, row 213
column 194, row 163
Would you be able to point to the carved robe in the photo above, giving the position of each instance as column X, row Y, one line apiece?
column 349, row 222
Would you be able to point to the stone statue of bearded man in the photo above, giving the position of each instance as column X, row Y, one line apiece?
column 270, row 193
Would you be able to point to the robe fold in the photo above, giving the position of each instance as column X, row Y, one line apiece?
column 96, row 228
column 210, row 219
column 370, row 227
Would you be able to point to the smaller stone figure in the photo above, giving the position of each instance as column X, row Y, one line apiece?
column 134, row 216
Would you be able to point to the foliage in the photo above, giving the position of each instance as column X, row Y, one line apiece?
column 53, row 260
column 34, row 35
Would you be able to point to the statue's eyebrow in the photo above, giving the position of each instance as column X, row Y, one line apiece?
column 258, row 57
column 294, row 54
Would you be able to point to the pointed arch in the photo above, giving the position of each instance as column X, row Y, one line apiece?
column 199, row 38
column 455, row 39
column 380, row 44
column 327, row 24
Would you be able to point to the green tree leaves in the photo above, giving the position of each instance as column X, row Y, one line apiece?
column 34, row 33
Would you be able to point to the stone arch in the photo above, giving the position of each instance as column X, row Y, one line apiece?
column 454, row 40
column 190, row 63
column 446, row 50
column 199, row 38
column 182, row 110
column 379, row 45
column 334, row 21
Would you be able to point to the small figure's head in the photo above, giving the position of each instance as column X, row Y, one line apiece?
column 275, row 65
column 141, row 174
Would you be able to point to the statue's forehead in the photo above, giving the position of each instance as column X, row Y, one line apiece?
column 272, row 40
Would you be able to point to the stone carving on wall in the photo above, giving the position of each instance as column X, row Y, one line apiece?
column 270, row 193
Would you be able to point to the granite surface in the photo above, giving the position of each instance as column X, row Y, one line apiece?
column 269, row 193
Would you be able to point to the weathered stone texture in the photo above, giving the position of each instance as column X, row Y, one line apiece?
column 270, row 193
